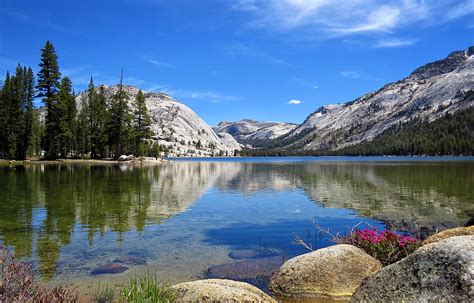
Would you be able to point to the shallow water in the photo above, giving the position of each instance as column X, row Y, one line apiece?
column 183, row 217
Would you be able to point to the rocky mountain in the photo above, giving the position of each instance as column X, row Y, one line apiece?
column 177, row 127
column 430, row 92
column 254, row 132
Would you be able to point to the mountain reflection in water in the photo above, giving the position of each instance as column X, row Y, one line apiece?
column 74, row 216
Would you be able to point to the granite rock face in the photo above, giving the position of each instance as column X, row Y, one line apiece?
column 176, row 126
column 254, row 132
column 335, row 271
column 437, row 272
column 218, row 290
column 453, row 232
column 430, row 92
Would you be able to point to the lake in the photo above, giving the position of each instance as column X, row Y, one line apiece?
column 180, row 218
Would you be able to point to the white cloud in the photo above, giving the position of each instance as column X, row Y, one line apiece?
column 387, row 43
column 315, row 87
column 353, row 74
column 294, row 102
column 328, row 18
column 155, row 62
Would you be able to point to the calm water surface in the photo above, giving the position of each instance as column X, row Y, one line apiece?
column 184, row 217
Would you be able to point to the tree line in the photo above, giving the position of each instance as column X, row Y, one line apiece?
column 452, row 134
column 100, row 125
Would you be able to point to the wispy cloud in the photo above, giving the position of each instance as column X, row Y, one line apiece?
column 155, row 62
column 294, row 102
column 210, row 96
column 328, row 18
column 388, row 43
column 352, row 74
column 247, row 51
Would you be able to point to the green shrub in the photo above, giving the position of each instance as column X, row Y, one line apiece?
column 148, row 289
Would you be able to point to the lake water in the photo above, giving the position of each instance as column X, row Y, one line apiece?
column 184, row 217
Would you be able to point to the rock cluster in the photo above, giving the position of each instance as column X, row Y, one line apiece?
column 437, row 272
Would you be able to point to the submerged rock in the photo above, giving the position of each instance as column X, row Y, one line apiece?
column 253, row 254
column 109, row 268
column 335, row 271
column 218, row 290
column 131, row 260
column 437, row 272
column 255, row 271
column 459, row 231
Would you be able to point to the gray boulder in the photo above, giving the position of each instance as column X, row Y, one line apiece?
column 335, row 271
column 437, row 272
column 217, row 290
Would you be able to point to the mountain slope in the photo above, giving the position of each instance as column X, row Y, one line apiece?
column 430, row 92
column 177, row 127
column 254, row 132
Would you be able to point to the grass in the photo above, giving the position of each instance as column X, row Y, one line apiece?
column 104, row 294
column 147, row 288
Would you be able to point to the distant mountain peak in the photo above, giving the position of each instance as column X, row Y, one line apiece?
column 443, row 66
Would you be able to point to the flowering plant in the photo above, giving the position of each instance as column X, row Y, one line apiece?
column 386, row 246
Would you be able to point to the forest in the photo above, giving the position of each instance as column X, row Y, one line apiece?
column 63, row 128
column 452, row 134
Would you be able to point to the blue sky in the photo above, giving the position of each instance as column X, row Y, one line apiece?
column 228, row 60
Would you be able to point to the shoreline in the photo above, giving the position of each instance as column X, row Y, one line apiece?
column 82, row 161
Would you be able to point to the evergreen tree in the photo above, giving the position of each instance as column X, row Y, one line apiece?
column 82, row 128
column 141, row 123
column 27, row 108
column 119, row 122
column 5, row 97
column 99, row 116
column 48, row 88
column 66, row 109
column 97, row 120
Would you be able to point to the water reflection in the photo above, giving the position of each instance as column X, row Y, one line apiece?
column 44, row 207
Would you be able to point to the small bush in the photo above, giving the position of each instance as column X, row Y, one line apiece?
column 17, row 284
column 147, row 289
column 387, row 246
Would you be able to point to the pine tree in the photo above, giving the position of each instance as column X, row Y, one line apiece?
column 4, row 114
column 119, row 122
column 100, row 118
column 48, row 88
column 82, row 128
column 26, row 107
column 66, row 109
column 142, row 122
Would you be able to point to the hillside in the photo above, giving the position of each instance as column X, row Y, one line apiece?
column 429, row 93
column 178, row 128
column 255, row 133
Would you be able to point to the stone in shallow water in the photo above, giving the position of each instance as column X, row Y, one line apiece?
column 131, row 260
column 109, row 268
column 252, row 254
column 245, row 270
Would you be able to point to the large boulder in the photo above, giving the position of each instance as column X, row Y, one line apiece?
column 334, row 271
column 217, row 290
column 437, row 272
column 453, row 232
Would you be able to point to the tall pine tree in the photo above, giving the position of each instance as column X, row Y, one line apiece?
column 119, row 122
column 141, row 123
column 48, row 88
column 66, row 109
